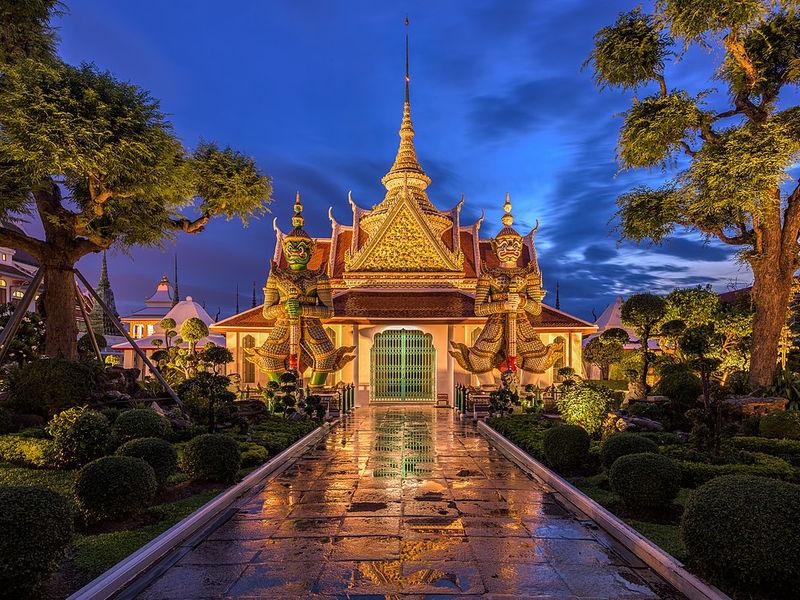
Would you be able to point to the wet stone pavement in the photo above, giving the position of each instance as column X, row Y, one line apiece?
column 406, row 502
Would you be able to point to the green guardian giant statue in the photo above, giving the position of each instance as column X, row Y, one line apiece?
column 296, row 298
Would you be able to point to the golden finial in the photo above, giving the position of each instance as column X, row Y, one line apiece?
column 297, row 219
column 508, row 218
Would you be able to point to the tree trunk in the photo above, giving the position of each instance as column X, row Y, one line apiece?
column 61, row 328
column 772, row 287
column 645, row 358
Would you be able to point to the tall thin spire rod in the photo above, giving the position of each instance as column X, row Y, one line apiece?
column 408, row 78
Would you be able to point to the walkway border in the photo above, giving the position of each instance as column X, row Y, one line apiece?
column 666, row 565
column 127, row 570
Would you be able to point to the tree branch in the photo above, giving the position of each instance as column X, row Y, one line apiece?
column 662, row 84
column 733, row 240
column 190, row 226
column 791, row 220
column 20, row 241
column 687, row 148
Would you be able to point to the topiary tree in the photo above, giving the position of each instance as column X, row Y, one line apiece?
column 37, row 528
column 737, row 146
column 97, row 160
column 585, row 405
column 622, row 444
column 157, row 453
column 603, row 354
column 80, row 435
column 85, row 348
column 780, row 424
column 192, row 331
column 113, row 487
column 212, row 457
column 141, row 423
column 643, row 312
column 745, row 531
column 566, row 447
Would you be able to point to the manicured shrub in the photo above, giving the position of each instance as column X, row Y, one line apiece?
column 80, row 435
column 759, row 464
column 196, row 392
column 30, row 452
column 661, row 438
column 253, row 454
column 115, row 486
column 679, row 384
column 566, row 447
column 781, row 424
column 212, row 457
column 746, row 530
column 645, row 480
column 37, row 527
column 140, row 423
column 49, row 385
column 622, row 444
column 157, row 453
column 788, row 450
column 586, row 405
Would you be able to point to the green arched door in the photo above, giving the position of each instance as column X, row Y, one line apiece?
column 403, row 366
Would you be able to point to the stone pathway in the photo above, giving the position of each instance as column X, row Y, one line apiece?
column 406, row 503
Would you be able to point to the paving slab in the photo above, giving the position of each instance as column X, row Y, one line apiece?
column 407, row 502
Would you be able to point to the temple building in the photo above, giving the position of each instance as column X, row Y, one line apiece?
column 403, row 276
column 144, row 321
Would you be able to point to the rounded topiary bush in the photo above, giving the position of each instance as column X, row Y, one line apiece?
column 253, row 454
column 679, row 384
column 781, row 424
column 212, row 457
column 140, row 423
column 746, row 530
column 566, row 447
column 115, row 486
column 645, row 480
column 37, row 527
column 622, row 444
column 586, row 405
column 80, row 435
column 157, row 453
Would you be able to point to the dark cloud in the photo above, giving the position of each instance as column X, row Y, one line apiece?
column 690, row 249
column 599, row 253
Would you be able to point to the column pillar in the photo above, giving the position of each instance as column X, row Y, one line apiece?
column 451, row 380
column 357, row 344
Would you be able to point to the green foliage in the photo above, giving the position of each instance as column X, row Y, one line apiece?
column 643, row 312
column 788, row 450
column 217, row 356
column 526, row 431
column 586, row 405
column 615, row 334
column 50, row 385
column 503, row 400
column 28, row 343
column 693, row 305
column 647, row 213
column 646, row 480
column 566, row 447
column 192, row 330
column 33, row 452
column 746, row 531
column 253, row 454
column 5, row 421
column 694, row 20
column 141, row 423
column 25, row 30
column 276, row 433
column 781, row 424
column 761, row 465
column 680, row 385
column 602, row 353
column 212, row 457
column 156, row 452
column 786, row 385
column 622, row 444
column 37, row 528
column 629, row 53
column 114, row 487
column 85, row 348
column 206, row 395
column 80, row 435
column 656, row 128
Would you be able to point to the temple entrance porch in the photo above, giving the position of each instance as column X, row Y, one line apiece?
column 403, row 366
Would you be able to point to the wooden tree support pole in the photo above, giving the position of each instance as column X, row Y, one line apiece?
column 131, row 341
column 15, row 321
column 89, row 330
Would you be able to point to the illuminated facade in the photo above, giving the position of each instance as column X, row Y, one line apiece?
column 403, row 277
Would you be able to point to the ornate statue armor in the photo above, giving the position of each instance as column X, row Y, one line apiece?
column 297, row 298
column 510, row 296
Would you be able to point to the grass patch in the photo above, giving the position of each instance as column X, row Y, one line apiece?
column 663, row 535
column 62, row 482
column 95, row 554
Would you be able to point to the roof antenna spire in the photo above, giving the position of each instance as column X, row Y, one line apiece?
column 558, row 299
column 408, row 78
column 176, row 299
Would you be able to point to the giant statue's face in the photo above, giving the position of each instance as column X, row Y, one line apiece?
column 297, row 253
column 508, row 249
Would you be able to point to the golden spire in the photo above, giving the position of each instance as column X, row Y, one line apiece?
column 406, row 166
column 507, row 220
column 297, row 232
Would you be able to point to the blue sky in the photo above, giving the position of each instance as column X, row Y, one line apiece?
column 313, row 91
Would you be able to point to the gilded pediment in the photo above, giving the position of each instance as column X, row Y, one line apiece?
column 406, row 242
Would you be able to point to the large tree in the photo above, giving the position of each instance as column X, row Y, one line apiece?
column 99, row 163
column 732, row 155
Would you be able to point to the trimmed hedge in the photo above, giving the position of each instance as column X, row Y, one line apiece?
column 212, row 457
column 746, row 530
column 622, row 444
column 788, row 450
column 694, row 474
column 31, row 452
column 157, row 453
column 141, row 423
column 80, row 435
column 50, row 385
column 645, row 480
column 37, row 527
column 566, row 447
column 780, row 424
column 113, row 487
column 253, row 454
column 661, row 438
